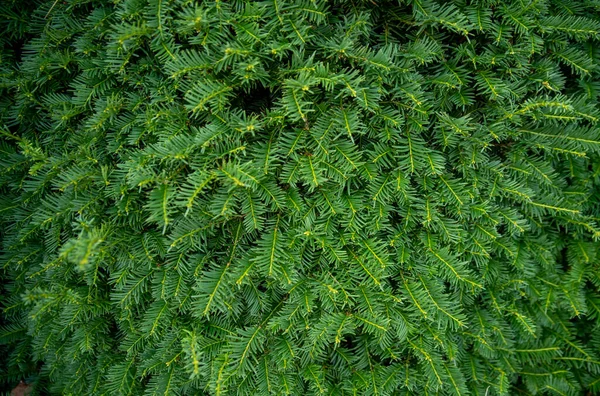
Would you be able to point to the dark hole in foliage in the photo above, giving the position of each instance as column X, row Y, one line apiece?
column 16, row 47
column 563, row 260
column 254, row 100
column 503, row 147
column 261, row 288
column 502, row 229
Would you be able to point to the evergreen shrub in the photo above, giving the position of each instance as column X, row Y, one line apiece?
column 342, row 197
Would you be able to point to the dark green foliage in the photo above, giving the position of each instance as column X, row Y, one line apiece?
column 300, row 197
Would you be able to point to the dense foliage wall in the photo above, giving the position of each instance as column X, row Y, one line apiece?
column 300, row 197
